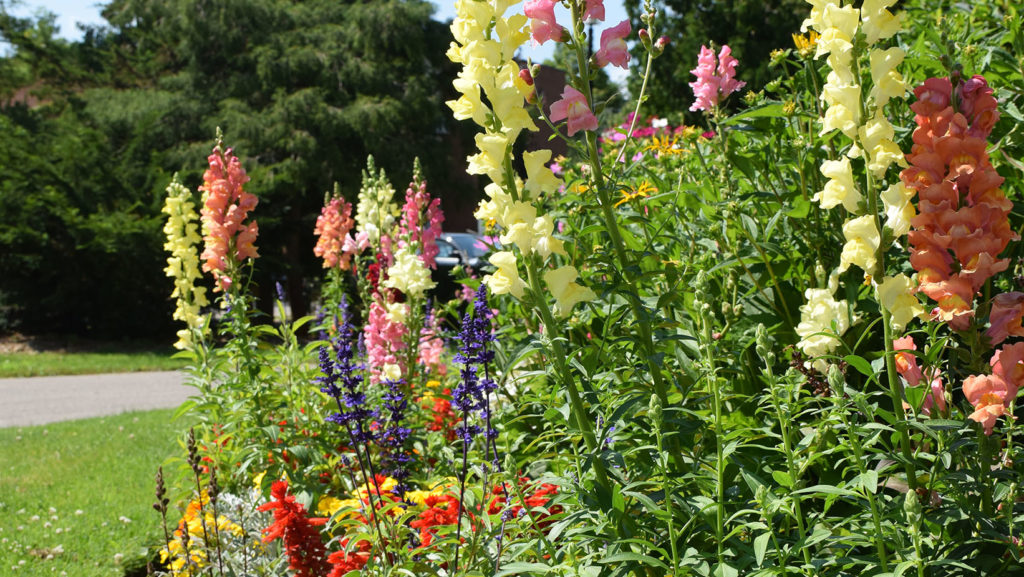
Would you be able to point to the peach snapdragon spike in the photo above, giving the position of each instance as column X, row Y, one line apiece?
column 332, row 227
column 962, row 223
column 225, row 208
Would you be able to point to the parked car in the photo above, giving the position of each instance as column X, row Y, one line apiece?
column 449, row 256
column 471, row 244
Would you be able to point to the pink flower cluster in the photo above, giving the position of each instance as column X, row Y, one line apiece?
column 715, row 80
column 906, row 366
column 332, row 226
column 421, row 222
column 385, row 337
column 991, row 395
column 613, row 48
column 543, row 26
column 225, row 207
column 963, row 223
column 573, row 107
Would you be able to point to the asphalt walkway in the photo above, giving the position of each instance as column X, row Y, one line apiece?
column 41, row 400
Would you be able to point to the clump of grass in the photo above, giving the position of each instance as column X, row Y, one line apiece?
column 33, row 364
column 75, row 496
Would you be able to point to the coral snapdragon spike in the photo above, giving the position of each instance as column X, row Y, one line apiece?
column 333, row 227
column 225, row 208
column 963, row 223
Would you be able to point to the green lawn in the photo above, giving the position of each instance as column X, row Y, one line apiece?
column 82, row 491
column 84, row 363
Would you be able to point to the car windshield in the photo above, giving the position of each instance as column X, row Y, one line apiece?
column 473, row 245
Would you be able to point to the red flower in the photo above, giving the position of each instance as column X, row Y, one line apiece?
column 443, row 510
column 342, row 562
column 306, row 552
column 536, row 496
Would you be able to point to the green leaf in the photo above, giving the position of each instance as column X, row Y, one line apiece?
column 860, row 364
column 628, row 556
column 772, row 110
column 783, row 478
column 522, row 568
column 760, row 547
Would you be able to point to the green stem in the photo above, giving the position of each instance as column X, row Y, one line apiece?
column 858, row 453
column 787, row 447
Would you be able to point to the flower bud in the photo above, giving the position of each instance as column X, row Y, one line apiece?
column 660, row 44
column 912, row 508
column 836, row 380
column 761, row 340
column 527, row 76
column 510, row 463
column 654, row 410
column 645, row 38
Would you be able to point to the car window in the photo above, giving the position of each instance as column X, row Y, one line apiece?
column 445, row 249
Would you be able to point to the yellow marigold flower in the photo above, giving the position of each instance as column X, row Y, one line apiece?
column 805, row 45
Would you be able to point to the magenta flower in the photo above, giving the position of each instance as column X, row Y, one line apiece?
column 573, row 106
column 714, row 82
column 613, row 46
column 594, row 11
column 543, row 26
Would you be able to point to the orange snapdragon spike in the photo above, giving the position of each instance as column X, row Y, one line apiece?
column 962, row 225
column 225, row 208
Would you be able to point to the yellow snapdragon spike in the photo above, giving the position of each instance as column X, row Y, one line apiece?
column 539, row 178
column 506, row 279
column 899, row 208
column 877, row 22
column 567, row 293
column 862, row 239
column 887, row 82
column 841, row 188
column 896, row 293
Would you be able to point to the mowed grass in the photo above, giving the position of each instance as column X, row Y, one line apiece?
column 86, row 363
column 76, row 497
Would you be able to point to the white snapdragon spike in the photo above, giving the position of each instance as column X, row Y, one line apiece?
column 823, row 320
column 897, row 201
column 409, row 275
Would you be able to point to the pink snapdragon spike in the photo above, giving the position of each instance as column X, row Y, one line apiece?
column 573, row 106
column 594, row 10
column 543, row 26
column 421, row 221
column 716, row 78
column 224, row 210
column 613, row 46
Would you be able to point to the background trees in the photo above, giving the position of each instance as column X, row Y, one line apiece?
column 752, row 28
column 94, row 130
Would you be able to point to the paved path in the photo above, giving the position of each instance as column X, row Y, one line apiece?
column 40, row 400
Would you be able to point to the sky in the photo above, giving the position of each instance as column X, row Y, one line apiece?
column 71, row 12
